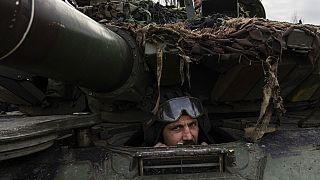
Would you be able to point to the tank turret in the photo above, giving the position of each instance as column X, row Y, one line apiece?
column 87, row 81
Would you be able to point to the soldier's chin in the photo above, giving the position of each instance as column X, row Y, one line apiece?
column 186, row 143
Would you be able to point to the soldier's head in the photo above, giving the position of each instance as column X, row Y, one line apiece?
column 179, row 121
column 197, row 4
column 180, row 116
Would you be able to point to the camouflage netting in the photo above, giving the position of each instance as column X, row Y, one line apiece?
column 145, row 12
column 142, row 12
column 250, row 40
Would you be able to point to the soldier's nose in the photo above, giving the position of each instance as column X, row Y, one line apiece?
column 187, row 134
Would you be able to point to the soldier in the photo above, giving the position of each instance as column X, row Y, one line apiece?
column 197, row 4
column 179, row 121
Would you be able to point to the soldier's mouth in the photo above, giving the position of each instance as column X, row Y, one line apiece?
column 183, row 143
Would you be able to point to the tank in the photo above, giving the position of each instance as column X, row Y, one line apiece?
column 85, row 76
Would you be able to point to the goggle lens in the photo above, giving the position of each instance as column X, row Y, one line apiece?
column 172, row 109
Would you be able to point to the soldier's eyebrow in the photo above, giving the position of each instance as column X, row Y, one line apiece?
column 173, row 124
column 193, row 122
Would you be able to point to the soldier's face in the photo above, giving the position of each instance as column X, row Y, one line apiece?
column 184, row 131
column 197, row 3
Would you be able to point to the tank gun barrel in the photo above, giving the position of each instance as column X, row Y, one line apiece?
column 54, row 40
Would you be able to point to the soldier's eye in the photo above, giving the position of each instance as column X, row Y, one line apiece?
column 177, row 128
column 193, row 124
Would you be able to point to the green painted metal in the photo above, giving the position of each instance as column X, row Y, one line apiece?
column 75, row 171
column 57, row 41
column 306, row 90
column 171, row 63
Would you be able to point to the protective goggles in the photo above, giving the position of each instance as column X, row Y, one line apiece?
column 172, row 109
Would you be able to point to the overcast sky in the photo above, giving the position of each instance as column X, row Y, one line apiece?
column 284, row 10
